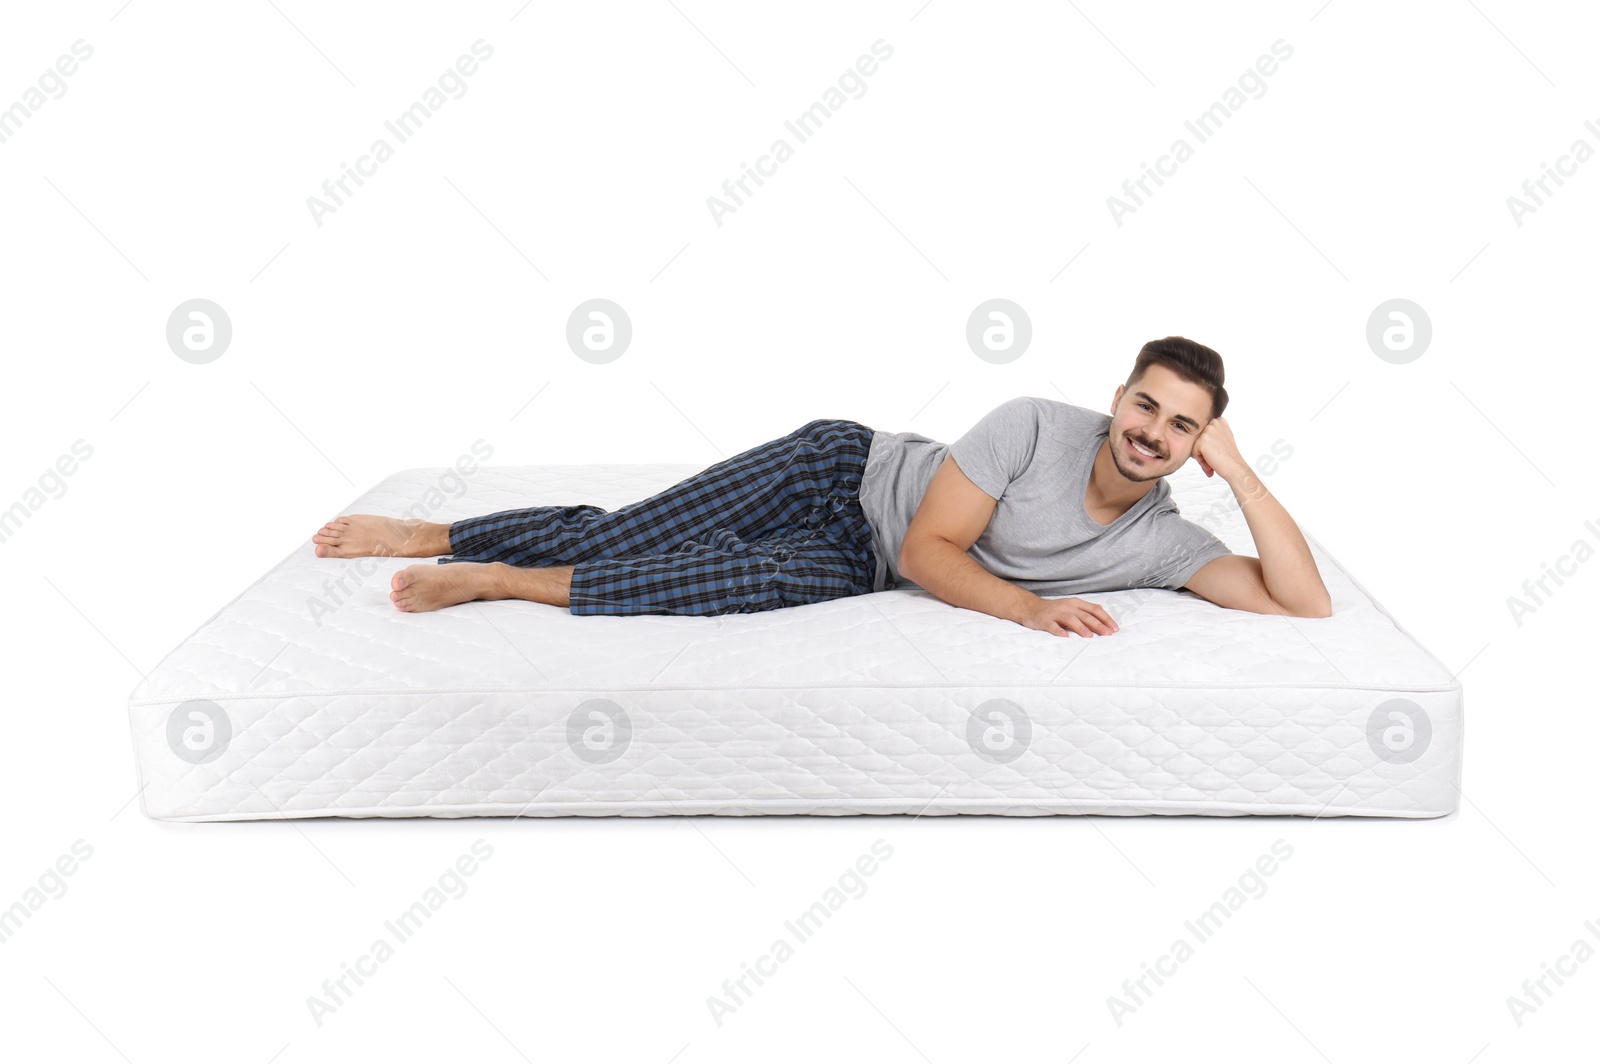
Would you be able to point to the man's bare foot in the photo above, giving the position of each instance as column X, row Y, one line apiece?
column 419, row 588
column 360, row 535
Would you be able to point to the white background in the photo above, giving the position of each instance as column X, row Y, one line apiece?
column 430, row 311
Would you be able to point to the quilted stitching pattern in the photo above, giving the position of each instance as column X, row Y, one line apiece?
column 341, row 705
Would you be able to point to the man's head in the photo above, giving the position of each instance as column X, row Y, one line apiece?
column 1174, row 391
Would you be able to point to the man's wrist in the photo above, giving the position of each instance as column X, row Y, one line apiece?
column 1233, row 471
column 1024, row 604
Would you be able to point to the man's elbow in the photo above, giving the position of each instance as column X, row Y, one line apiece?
column 1318, row 611
column 902, row 563
column 910, row 557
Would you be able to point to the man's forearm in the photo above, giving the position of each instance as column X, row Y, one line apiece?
column 950, row 573
column 1287, row 567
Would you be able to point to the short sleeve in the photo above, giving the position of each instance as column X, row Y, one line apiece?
column 1182, row 548
column 997, row 449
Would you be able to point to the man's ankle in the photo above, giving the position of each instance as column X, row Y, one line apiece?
column 497, row 581
column 439, row 541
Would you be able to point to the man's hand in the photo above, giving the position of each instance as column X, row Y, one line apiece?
column 1215, row 450
column 1061, row 616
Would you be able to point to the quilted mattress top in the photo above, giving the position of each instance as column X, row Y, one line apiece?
column 318, row 625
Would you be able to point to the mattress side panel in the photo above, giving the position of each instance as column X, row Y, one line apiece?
column 1020, row 751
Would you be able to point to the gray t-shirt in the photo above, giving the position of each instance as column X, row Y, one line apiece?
column 1034, row 456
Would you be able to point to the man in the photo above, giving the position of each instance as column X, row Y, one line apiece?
column 1053, row 498
column 1039, row 496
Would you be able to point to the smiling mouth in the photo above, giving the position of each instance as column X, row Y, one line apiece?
column 1136, row 448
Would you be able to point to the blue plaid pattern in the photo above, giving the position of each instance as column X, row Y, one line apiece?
column 778, row 525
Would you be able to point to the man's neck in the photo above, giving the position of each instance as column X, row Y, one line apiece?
column 1109, row 491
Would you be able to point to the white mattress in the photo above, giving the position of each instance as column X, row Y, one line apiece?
column 304, row 697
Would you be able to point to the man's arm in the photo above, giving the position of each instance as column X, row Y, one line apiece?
column 951, row 516
column 1285, row 578
column 1235, row 582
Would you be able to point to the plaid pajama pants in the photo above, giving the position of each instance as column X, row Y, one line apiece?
column 777, row 525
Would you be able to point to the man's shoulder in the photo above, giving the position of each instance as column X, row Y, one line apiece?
column 1062, row 420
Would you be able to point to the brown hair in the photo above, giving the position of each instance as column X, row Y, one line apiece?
column 1195, row 363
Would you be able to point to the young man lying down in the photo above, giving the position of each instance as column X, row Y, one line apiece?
column 1038, row 498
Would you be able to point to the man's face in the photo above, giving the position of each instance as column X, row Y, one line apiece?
column 1162, row 412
